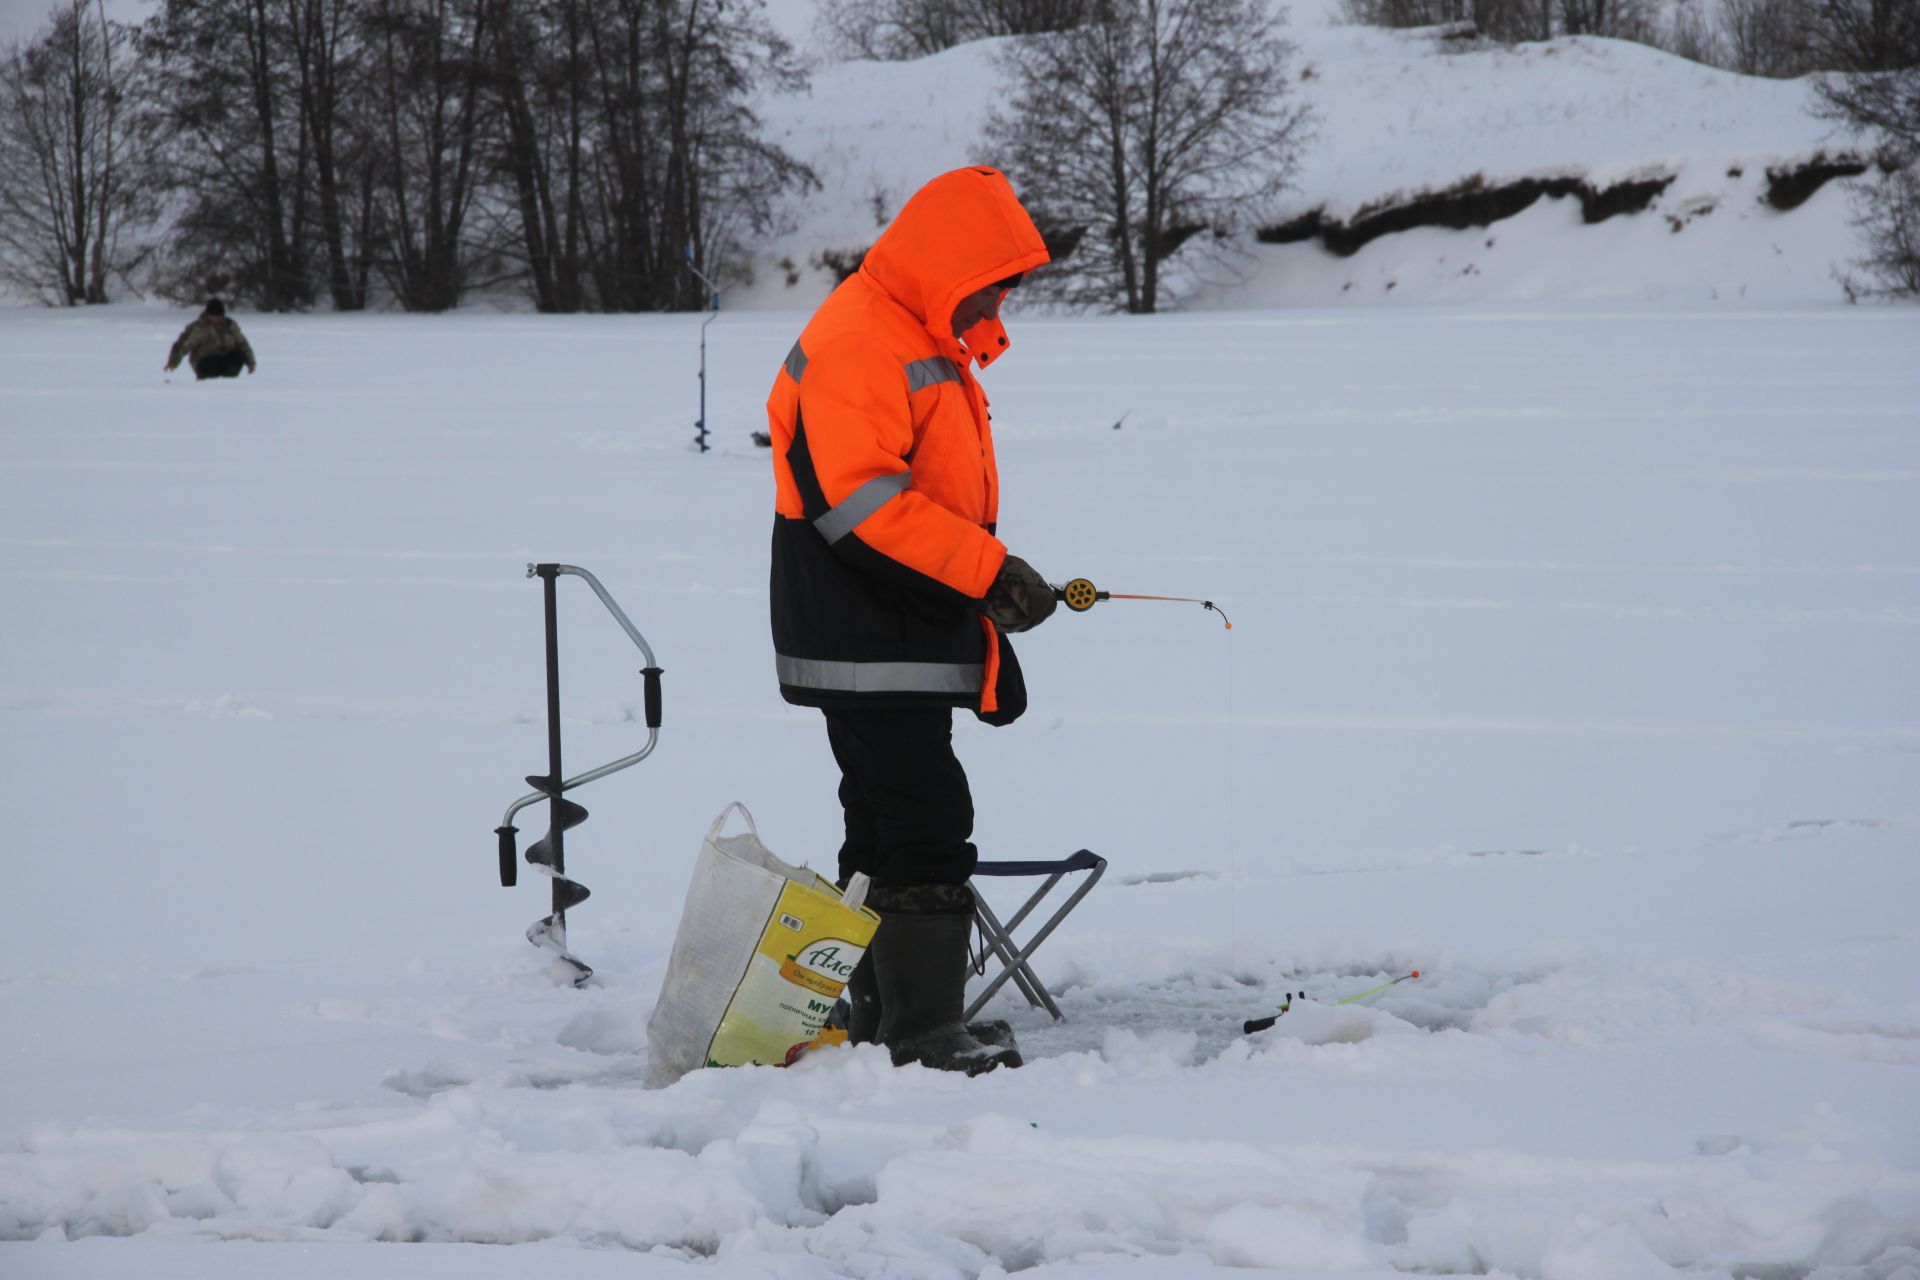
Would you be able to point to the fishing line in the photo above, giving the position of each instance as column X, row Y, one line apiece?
column 1233, row 831
column 1081, row 595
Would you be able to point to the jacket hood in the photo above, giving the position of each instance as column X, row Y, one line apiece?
column 958, row 234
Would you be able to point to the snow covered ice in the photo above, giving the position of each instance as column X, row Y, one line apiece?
column 1572, row 663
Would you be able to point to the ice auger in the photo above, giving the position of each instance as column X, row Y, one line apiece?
column 548, row 853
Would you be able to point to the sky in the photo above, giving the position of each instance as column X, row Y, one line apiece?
column 23, row 19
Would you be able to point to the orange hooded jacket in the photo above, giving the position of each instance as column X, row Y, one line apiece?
column 886, row 493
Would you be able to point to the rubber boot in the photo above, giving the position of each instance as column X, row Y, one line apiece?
column 863, row 1003
column 858, row 1012
column 992, row 1031
column 920, row 966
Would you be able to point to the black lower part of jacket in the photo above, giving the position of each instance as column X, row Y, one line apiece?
column 849, row 604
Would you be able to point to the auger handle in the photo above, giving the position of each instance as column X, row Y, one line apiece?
column 509, row 857
column 652, row 677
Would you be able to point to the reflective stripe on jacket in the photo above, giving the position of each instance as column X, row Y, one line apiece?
column 886, row 492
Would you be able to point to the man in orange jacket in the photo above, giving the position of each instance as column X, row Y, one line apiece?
column 892, row 598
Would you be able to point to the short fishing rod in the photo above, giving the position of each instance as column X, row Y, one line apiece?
column 1374, row 991
column 1261, row 1024
column 1081, row 595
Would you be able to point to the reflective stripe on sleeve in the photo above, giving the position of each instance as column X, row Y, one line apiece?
column 922, row 374
column 879, row 677
column 860, row 504
column 796, row 362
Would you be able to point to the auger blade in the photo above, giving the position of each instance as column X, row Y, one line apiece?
column 549, row 933
column 540, row 852
column 568, row 972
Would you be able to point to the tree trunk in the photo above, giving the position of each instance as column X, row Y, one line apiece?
column 80, row 223
column 283, row 288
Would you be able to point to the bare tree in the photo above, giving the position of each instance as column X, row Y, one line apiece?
column 1767, row 37
column 1495, row 19
column 544, row 83
column 1872, row 50
column 1619, row 19
column 588, row 148
column 1693, row 35
column 238, row 160
column 1886, row 212
column 1786, row 39
column 1866, row 37
column 680, row 169
column 428, row 67
column 1884, row 101
column 897, row 29
column 74, row 193
column 1153, row 123
column 326, row 52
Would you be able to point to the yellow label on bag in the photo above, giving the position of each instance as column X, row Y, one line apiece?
column 812, row 981
column 806, row 953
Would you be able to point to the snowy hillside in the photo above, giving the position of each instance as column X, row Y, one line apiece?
column 1400, row 114
column 1573, row 664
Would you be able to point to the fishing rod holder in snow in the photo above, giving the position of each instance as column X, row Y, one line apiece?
column 549, row 852
column 700, row 432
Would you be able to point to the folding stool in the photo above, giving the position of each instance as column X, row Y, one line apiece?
column 999, row 938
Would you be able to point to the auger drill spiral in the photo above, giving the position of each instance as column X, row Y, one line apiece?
column 548, row 853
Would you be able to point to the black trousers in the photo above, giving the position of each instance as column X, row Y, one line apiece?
column 909, row 812
column 221, row 366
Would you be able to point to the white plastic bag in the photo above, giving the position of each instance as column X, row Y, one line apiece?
column 763, row 951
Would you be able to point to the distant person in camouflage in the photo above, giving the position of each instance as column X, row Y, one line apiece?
column 212, row 345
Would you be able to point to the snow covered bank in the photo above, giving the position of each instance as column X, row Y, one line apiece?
column 1572, row 663
column 1401, row 115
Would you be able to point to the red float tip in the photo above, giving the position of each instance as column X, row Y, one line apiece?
column 1415, row 973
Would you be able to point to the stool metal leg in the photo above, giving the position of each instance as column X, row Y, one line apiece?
column 1001, row 939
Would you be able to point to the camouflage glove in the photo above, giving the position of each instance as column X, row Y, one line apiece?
column 1019, row 599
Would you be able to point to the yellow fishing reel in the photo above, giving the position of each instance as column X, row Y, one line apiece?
column 1081, row 595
